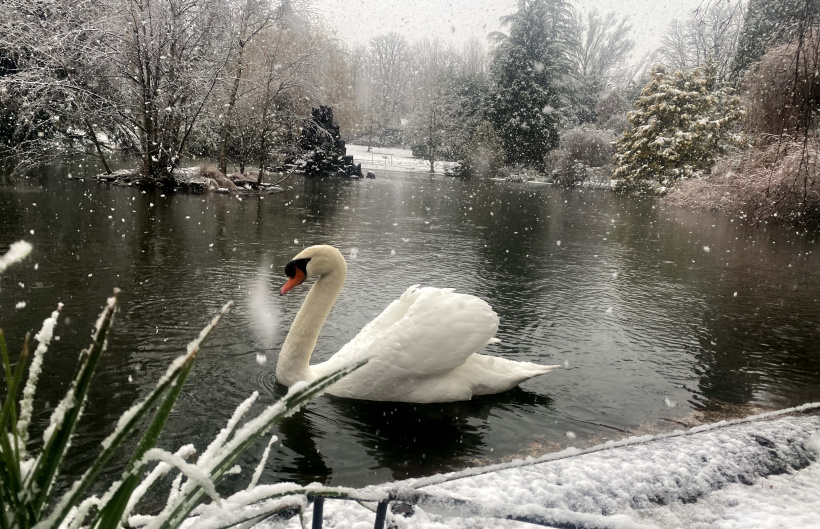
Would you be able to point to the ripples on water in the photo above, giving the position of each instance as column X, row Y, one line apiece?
column 622, row 292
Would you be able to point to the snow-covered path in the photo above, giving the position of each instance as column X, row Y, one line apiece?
column 752, row 473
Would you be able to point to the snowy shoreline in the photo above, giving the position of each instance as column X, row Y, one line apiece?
column 761, row 471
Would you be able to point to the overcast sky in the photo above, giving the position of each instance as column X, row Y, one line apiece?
column 459, row 20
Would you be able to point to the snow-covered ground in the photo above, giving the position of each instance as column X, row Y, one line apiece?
column 760, row 472
column 387, row 159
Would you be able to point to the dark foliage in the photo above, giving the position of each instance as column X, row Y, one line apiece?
column 482, row 156
column 526, row 97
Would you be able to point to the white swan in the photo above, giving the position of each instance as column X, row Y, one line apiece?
column 422, row 348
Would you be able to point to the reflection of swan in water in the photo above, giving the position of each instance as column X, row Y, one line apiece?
column 422, row 348
column 415, row 440
column 375, row 441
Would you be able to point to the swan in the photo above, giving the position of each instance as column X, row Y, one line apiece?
column 423, row 348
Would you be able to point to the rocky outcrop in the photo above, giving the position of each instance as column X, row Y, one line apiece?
column 324, row 150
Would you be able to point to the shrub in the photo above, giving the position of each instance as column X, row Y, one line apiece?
column 783, row 92
column 680, row 123
column 483, row 155
column 777, row 182
column 419, row 151
column 610, row 106
column 582, row 148
column 617, row 124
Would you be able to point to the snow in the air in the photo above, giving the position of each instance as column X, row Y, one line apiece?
column 17, row 252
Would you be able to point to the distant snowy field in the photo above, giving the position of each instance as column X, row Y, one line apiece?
column 751, row 473
column 383, row 159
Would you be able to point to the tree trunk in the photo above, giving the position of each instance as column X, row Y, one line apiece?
column 226, row 123
column 97, row 146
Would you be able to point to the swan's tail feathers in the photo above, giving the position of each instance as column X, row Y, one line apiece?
column 493, row 341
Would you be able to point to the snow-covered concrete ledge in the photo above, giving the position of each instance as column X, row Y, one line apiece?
column 760, row 471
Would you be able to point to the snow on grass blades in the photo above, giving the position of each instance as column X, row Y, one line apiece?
column 26, row 480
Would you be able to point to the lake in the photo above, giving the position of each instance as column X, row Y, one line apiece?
column 658, row 316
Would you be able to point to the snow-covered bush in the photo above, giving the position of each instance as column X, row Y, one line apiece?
column 777, row 182
column 611, row 105
column 582, row 148
column 27, row 494
column 681, row 122
column 783, row 92
column 483, row 155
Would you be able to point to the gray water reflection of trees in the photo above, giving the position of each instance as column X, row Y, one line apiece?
column 745, row 311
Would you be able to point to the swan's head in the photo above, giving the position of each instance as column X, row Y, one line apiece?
column 316, row 261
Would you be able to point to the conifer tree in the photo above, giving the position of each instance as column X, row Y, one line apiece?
column 527, row 66
column 680, row 123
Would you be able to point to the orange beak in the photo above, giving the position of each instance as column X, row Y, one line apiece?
column 296, row 280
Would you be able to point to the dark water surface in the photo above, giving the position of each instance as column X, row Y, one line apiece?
column 655, row 313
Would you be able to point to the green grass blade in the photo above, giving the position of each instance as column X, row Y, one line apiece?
column 246, row 436
column 5, row 354
column 12, row 485
column 124, row 430
column 114, row 510
column 37, row 489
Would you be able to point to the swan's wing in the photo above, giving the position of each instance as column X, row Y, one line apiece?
column 428, row 331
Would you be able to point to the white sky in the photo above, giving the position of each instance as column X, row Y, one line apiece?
column 356, row 21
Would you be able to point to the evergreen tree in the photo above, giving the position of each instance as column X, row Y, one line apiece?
column 680, row 123
column 524, row 104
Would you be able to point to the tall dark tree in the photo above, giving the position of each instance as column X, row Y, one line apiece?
column 527, row 67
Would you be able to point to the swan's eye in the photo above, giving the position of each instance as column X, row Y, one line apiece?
column 301, row 264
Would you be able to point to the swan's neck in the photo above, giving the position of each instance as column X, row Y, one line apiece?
column 294, row 358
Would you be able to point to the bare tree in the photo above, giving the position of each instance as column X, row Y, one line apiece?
column 55, row 98
column 170, row 56
column 131, row 72
column 254, row 16
column 600, row 44
column 709, row 35
column 388, row 62
column 475, row 60
column 432, row 63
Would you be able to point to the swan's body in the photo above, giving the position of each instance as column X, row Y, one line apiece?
column 422, row 348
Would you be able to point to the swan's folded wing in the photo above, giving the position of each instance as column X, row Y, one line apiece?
column 428, row 331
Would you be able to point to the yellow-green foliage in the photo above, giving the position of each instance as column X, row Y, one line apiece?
column 680, row 123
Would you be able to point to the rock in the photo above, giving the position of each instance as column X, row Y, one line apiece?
column 371, row 174
column 324, row 150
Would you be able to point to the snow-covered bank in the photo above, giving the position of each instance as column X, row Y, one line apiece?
column 381, row 159
column 749, row 473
